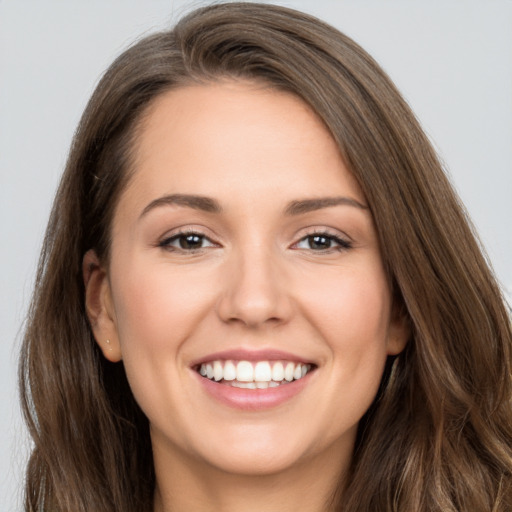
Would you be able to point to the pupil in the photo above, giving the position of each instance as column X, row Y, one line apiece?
column 319, row 242
column 190, row 242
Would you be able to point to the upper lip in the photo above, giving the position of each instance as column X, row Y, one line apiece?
column 241, row 354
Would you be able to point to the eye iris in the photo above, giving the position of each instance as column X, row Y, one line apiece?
column 190, row 241
column 319, row 242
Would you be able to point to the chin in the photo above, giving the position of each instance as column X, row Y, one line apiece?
column 249, row 463
column 255, row 451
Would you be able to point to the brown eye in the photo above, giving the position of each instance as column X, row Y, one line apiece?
column 186, row 242
column 190, row 241
column 319, row 242
column 322, row 242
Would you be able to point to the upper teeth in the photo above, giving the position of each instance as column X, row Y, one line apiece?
column 261, row 371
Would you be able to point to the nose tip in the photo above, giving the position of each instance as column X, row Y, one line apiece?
column 251, row 311
column 254, row 295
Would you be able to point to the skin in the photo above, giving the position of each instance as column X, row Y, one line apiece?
column 255, row 282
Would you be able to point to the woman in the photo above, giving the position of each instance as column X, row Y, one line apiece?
column 258, row 289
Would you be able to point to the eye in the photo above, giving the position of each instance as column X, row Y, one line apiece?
column 322, row 242
column 186, row 241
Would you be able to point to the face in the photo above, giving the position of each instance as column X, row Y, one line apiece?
column 245, row 294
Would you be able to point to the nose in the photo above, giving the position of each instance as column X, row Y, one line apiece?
column 254, row 290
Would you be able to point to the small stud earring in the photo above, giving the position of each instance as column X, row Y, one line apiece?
column 108, row 343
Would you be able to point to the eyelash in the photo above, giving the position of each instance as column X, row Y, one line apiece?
column 341, row 244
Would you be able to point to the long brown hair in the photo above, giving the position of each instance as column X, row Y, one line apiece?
column 439, row 434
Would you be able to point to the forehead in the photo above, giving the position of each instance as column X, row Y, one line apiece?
column 236, row 140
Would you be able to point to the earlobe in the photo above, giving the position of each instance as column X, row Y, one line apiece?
column 99, row 307
column 399, row 332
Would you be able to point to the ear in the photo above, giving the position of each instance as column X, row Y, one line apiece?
column 99, row 307
column 399, row 330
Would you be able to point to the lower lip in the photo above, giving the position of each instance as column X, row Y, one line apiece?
column 253, row 399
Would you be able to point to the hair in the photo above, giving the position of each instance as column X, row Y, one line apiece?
column 438, row 436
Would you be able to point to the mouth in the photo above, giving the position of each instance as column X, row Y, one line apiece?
column 262, row 374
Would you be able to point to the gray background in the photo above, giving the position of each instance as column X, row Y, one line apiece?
column 451, row 59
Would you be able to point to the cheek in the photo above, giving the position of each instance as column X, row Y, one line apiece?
column 351, row 308
column 156, row 305
column 352, row 314
column 157, row 309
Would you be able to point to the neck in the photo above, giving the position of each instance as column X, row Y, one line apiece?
column 308, row 486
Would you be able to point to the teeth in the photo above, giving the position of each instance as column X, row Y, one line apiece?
column 217, row 370
column 278, row 371
column 253, row 385
column 229, row 371
column 263, row 372
column 259, row 375
column 288, row 372
column 244, row 371
column 245, row 385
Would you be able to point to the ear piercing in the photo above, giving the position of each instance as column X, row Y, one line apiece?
column 108, row 343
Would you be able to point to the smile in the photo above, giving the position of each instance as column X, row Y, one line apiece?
column 253, row 374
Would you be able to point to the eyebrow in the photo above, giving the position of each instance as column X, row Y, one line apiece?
column 209, row 205
column 310, row 205
column 205, row 204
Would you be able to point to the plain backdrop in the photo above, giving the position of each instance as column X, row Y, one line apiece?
column 451, row 59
